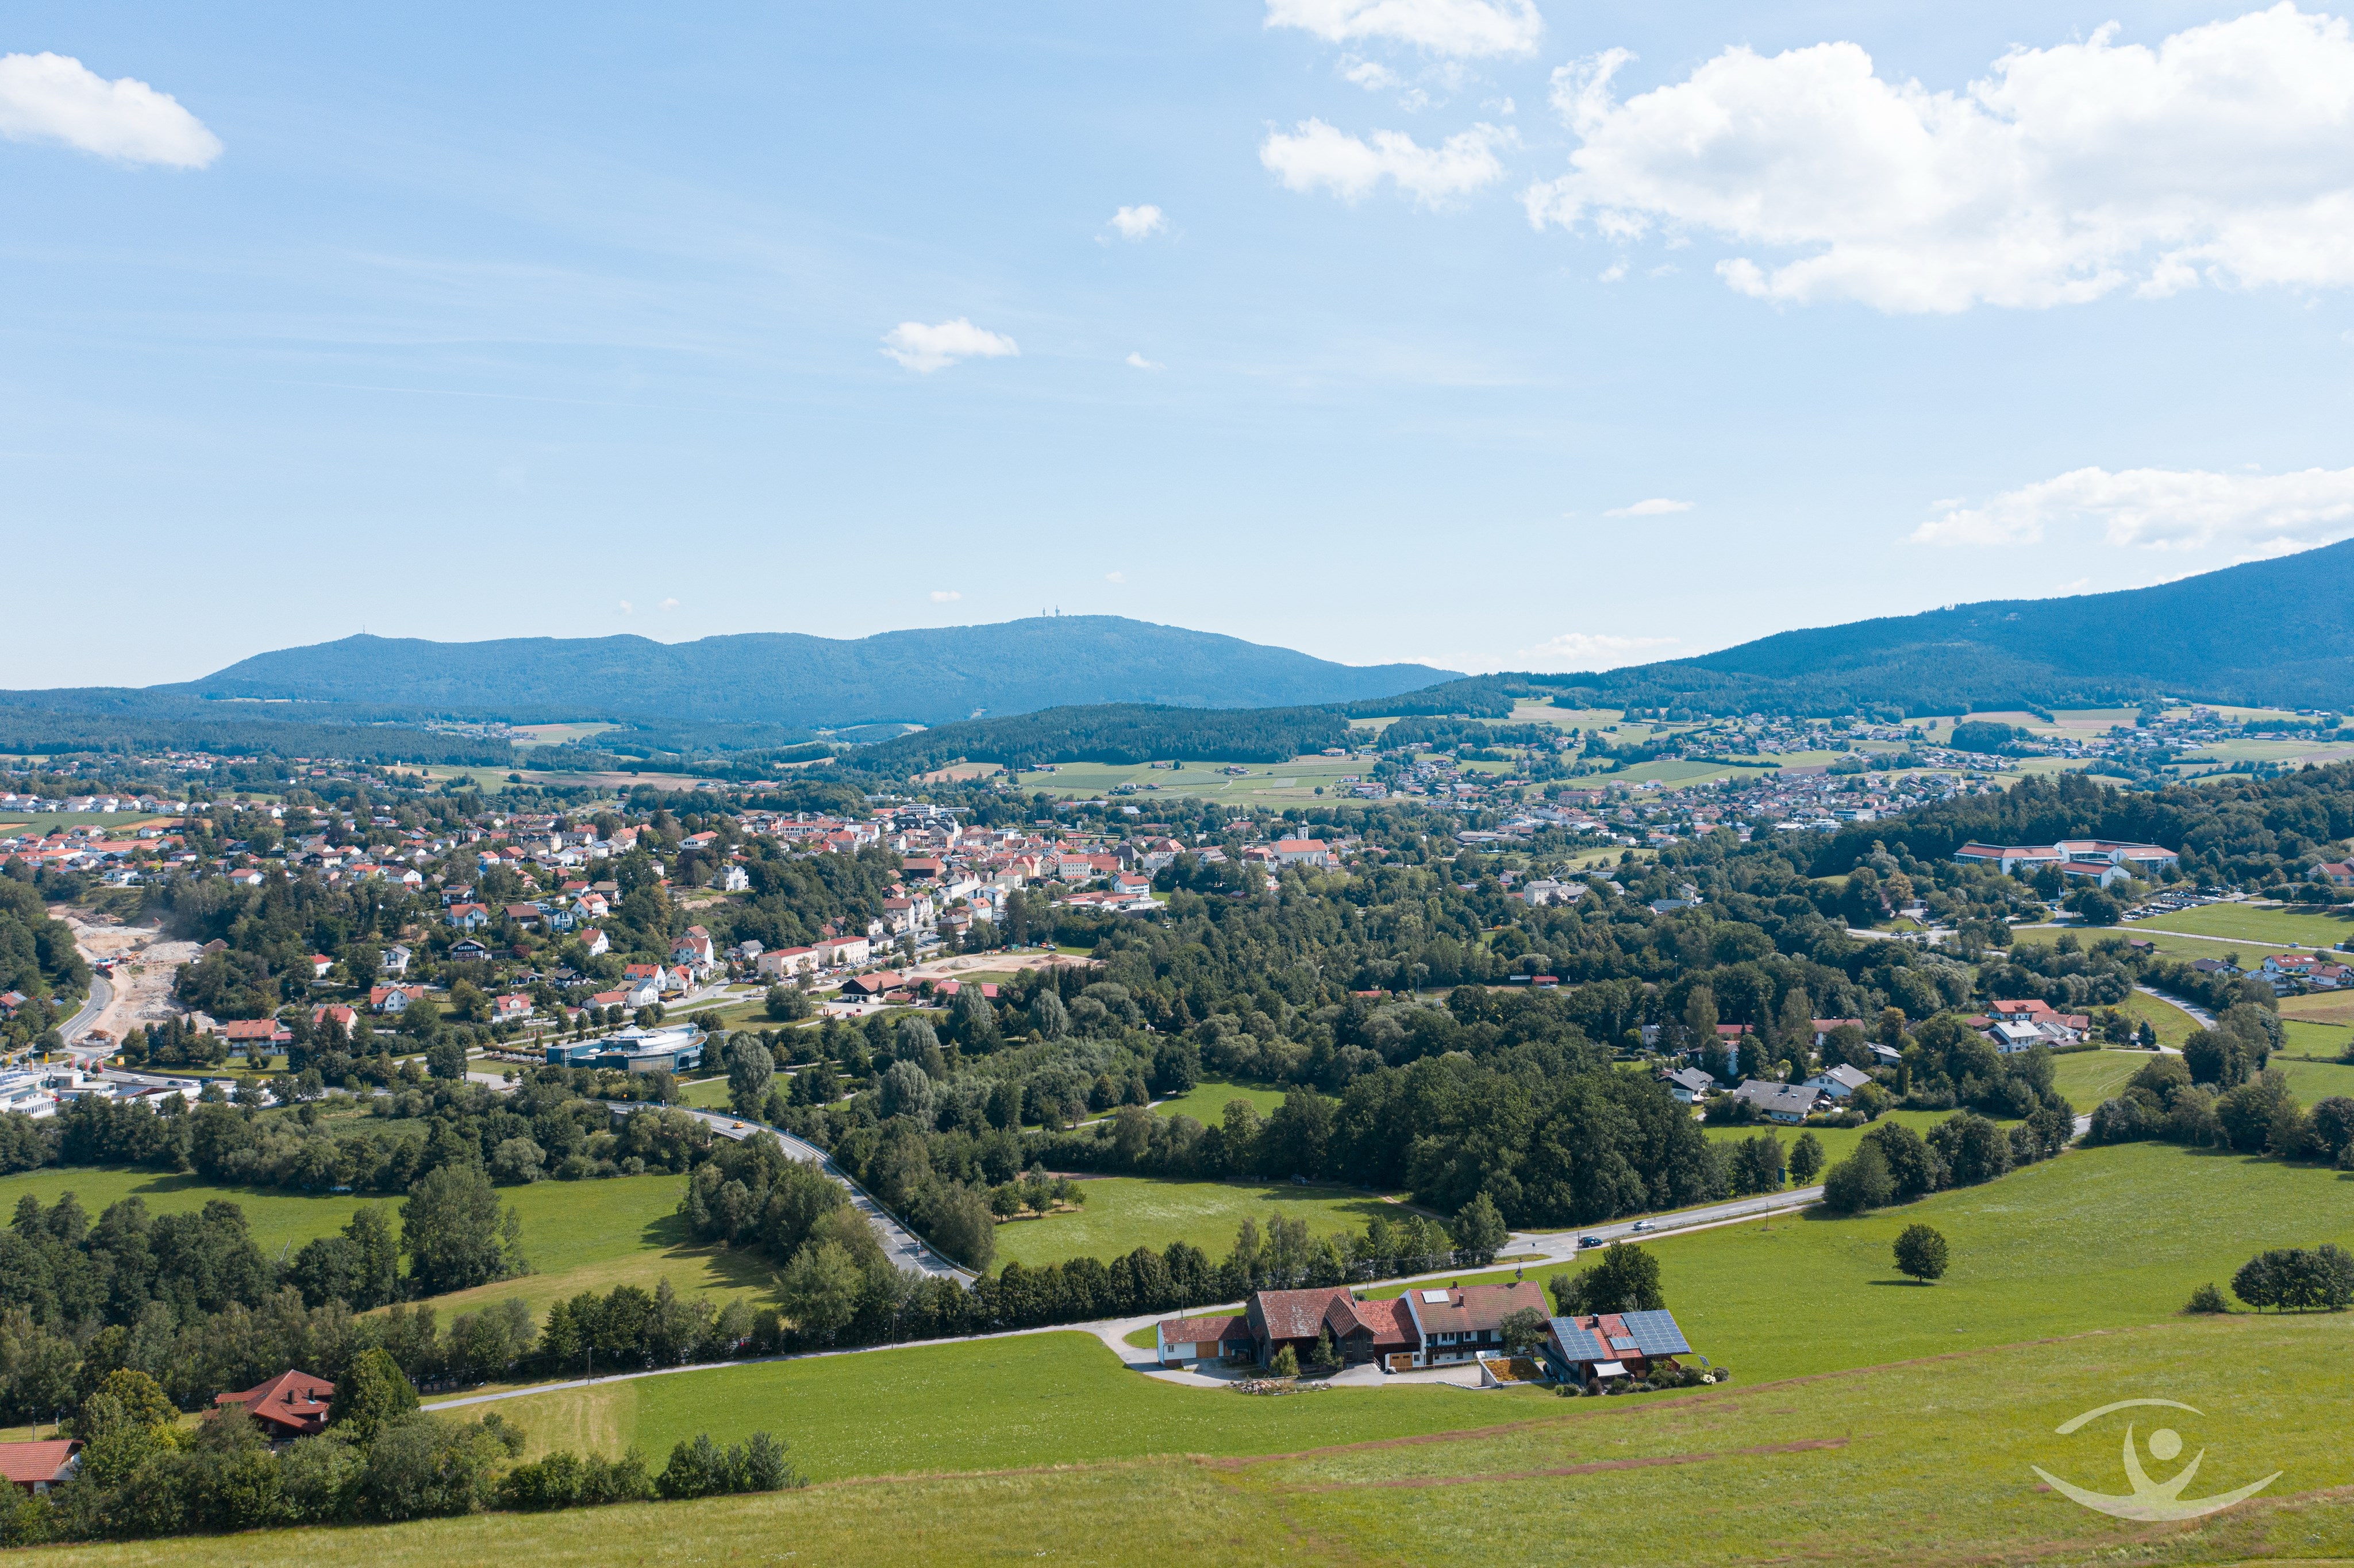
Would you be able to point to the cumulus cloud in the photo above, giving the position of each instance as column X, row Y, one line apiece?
column 1114, row 577
column 668, row 604
column 1140, row 363
column 55, row 97
column 945, row 596
column 1138, row 222
column 929, row 348
column 628, row 608
column 1459, row 27
column 1316, row 154
column 1371, row 75
column 1656, row 507
column 1588, row 650
column 2224, row 155
column 2163, row 509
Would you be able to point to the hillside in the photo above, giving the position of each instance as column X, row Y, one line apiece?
column 928, row 677
column 2276, row 632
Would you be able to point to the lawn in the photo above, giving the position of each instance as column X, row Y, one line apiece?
column 579, row 1236
column 2087, row 1077
column 2173, row 1024
column 1267, row 783
column 2243, row 922
column 2312, row 1081
column 2097, row 1238
column 1205, row 1102
column 1124, row 1213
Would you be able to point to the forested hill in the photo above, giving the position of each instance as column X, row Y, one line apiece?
column 1123, row 733
column 931, row 677
column 2268, row 632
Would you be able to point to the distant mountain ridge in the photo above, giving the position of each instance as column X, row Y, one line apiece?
column 929, row 677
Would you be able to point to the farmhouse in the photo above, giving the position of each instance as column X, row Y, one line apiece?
column 1613, row 1345
column 1182, row 1340
column 1462, row 1322
column 1787, row 1103
column 291, row 1405
column 35, row 1467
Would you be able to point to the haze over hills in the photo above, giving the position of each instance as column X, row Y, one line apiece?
column 2274, row 632
column 928, row 677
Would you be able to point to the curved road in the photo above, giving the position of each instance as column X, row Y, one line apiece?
column 900, row 1245
column 101, row 994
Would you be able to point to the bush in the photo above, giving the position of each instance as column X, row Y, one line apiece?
column 1285, row 1363
column 2207, row 1299
column 700, row 1469
column 1860, row 1182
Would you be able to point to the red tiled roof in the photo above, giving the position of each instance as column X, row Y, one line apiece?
column 292, row 1400
column 1294, row 1314
column 1194, row 1331
column 27, row 1463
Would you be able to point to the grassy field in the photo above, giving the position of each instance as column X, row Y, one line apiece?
column 1871, row 1420
column 2097, row 1238
column 579, row 1236
column 1838, row 1142
column 1207, row 1101
column 1276, row 784
column 2088, row 1077
column 2173, row 1024
column 1923, row 1463
column 1124, row 1213
column 2245, row 923
column 2311, row 1081
column 2193, row 948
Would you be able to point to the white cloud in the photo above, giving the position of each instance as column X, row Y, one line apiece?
column 1462, row 27
column 1315, row 153
column 1589, row 650
column 1656, row 507
column 945, row 596
column 1114, row 577
column 55, row 97
column 1371, row 75
column 2164, row 509
column 1141, row 362
column 628, row 608
column 669, row 604
column 1138, row 222
column 1614, row 273
column 929, row 348
column 2224, row 155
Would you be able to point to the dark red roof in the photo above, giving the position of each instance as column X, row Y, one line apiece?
column 27, row 1463
column 293, row 1401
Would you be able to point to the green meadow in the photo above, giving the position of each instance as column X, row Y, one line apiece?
column 1124, row 1213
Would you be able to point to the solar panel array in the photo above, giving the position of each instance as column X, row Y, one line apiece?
column 1578, row 1344
column 1655, row 1334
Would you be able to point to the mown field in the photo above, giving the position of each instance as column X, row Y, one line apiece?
column 1205, row 1102
column 1124, row 1213
column 2247, row 922
column 2088, row 1077
column 1925, row 1462
column 1838, row 1142
column 1275, row 784
column 579, row 1236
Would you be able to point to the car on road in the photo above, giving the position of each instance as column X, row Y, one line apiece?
column 1639, row 1226
column 1584, row 1242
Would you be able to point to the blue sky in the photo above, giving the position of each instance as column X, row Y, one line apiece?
column 454, row 323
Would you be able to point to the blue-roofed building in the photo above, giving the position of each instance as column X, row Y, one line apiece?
column 1613, row 1345
column 666, row 1050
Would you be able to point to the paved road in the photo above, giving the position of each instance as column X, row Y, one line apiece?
column 1557, row 1245
column 2198, row 1015
column 900, row 1245
column 102, row 993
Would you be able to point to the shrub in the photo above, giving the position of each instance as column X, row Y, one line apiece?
column 2207, row 1299
column 1285, row 1363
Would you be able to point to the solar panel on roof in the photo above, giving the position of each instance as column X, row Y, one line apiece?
column 1655, row 1334
column 1436, row 1297
column 1621, row 1343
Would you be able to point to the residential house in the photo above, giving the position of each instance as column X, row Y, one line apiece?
column 466, row 950
column 840, row 952
column 595, row 941
column 2337, row 873
column 256, row 1030
column 512, row 1008
column 469, row 917
column 320, row 965
column 1687, row 1084
column 1180, row 1342
column 1362, row 1330
column 1588, row 1350
column 734, row 879
column 785, row 962
column 1458, row 1323
column 291, row 1405
column 394, row 960
column 1787, row 1103
column 34, row 1467
column 694, row 947
column 524, row 914
column 1839, row 1082
column 394, row 999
